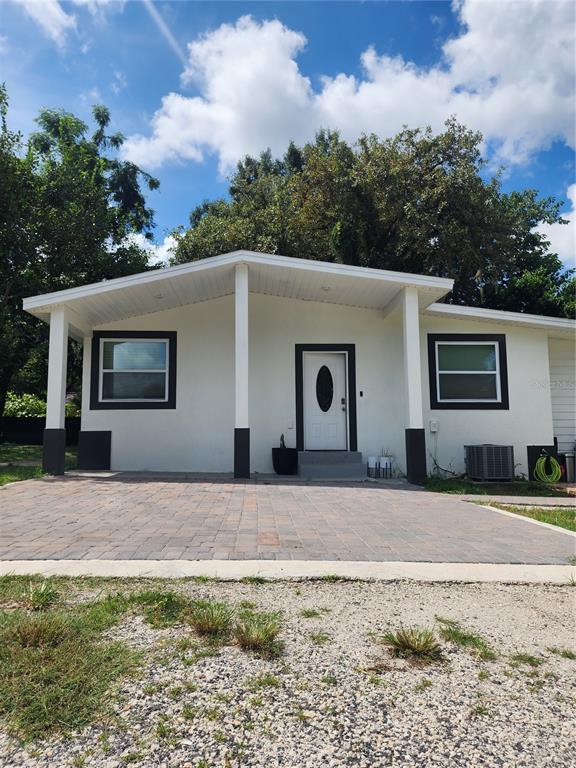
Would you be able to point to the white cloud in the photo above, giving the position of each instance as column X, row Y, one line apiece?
column 158, row 254
column 50, row 16
column 562, row 237
column 119, row 82
column 509, row 73
column 55, row 22
column 3, row 44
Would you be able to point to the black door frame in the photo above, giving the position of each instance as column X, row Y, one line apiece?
column 350, row 349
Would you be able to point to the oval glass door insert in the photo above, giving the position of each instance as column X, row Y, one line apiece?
column 324, row 388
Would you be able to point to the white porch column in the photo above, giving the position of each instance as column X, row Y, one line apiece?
column 241, row 374
column 415, row 438
column 55, row 434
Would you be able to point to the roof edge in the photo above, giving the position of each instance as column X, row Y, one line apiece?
column 234, row 257
column 481, row 313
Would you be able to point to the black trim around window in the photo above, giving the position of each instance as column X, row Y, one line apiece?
column 352, row 422
column 500, row 339
column 97, row 405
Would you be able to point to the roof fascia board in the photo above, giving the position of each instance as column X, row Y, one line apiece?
column 502, row 316
column 236, row 257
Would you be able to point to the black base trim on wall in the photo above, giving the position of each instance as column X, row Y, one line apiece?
column 416, row 456
column 54, row 451
column 350, row 349
column 94, row 449
column 242, row 452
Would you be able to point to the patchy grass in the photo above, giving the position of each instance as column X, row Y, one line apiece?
column 313, row 613
column 42, row 596
column 418, row 644
column 210, row 618
column 13, row 474
column 454, row 633
column 320, row 638
column 266, row 680
column 11, row 452
column 161, row 609
column 423, row 684
column 565, row 653
column 258, row 632
column 332, row 578
column 254, row 580
column 460, row 485
column 55, row 670
column 563, row 517
column 525, row 659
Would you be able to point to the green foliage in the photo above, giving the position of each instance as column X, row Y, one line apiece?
column 563, row 517
column 418, row 644
column 211, row 618
column 258, row 632
column 55, row 671
column 418, row 202
column 67, row 196
column 454, row 633
column 31, row 405
column 161, row 609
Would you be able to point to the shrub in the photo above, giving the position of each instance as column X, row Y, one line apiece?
column 29, row 406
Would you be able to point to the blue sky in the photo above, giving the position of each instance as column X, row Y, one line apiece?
column 195, row 85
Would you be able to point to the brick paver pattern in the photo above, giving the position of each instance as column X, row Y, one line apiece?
column 123, row 517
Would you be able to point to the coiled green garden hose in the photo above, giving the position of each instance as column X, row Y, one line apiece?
column 540, row 473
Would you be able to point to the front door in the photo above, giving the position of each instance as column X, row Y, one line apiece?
column 325, row 401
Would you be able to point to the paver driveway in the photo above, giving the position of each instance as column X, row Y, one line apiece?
column 127, row 517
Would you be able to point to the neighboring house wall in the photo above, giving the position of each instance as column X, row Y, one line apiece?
column 198, row 435
column 563, row 391
column 529, row 418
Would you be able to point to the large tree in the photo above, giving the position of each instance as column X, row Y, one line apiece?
column 419, row 202
column 68, row 207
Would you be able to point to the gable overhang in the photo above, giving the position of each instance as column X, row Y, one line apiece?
column 555, row 327
column 110, row 301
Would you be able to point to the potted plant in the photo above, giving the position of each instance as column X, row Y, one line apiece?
column 285, row 460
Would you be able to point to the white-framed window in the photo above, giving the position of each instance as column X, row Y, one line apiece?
column 133, row 370
column 468, row 371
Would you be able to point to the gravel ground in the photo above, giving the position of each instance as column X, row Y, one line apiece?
column 344, row 702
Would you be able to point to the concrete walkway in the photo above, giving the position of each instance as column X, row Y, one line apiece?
column 123, row 517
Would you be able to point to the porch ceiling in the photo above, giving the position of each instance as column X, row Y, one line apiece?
column 110, row 301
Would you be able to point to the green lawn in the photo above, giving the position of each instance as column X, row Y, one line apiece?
column 514, row 488
column 12, row 454
column 12, row 474
column 563, row 517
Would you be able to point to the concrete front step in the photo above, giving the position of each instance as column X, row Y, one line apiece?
column 336, row 465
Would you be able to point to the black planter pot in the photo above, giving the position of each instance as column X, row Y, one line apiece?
column 285, row 460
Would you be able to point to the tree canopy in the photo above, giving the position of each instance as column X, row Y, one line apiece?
column 418, row 202
column 68, row 207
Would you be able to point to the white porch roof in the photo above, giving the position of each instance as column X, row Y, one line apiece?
column 108, row 301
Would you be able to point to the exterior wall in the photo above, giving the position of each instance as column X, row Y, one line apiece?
column 529, row 418
column 563, row 391
column 198, row 435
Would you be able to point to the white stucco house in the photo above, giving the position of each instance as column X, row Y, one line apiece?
column 201, row 367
